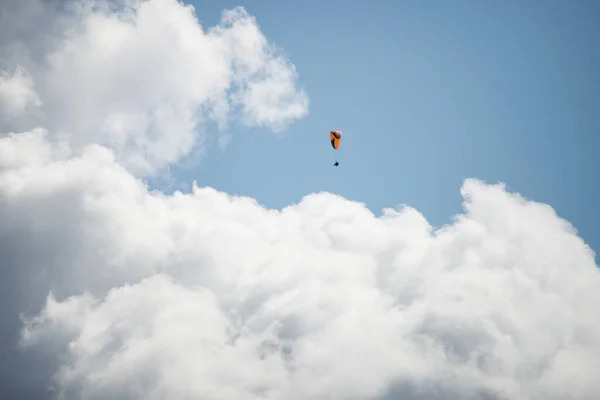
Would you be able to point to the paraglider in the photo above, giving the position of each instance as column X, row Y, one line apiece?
column 335, row 137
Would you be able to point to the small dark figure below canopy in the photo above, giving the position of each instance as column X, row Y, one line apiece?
column 336, row 164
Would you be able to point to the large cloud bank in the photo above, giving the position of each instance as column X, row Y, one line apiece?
column 110, row 290
column 203, row 295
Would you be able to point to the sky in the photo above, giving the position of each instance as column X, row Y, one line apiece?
column 172, row 225
column 428, row 94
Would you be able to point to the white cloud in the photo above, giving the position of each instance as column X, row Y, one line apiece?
column 142, row 77
column 212, row 296
column 16, row 93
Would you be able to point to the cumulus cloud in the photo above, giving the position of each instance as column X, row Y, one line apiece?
column 204, row 295
column 143, row 76
column 112, row 290
column 16, row 93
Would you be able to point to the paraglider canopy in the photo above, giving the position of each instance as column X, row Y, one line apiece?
column 335, row 137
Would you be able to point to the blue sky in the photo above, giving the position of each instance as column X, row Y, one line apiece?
column 427, row 93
